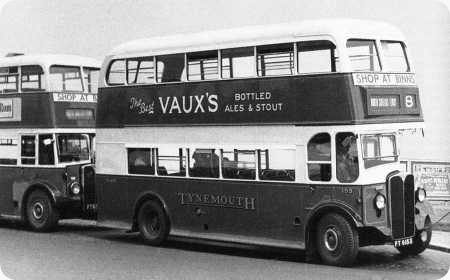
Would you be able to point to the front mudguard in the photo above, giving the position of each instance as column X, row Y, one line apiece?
column 423, row 210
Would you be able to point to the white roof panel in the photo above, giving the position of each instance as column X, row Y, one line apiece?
column 46, row 60
column 337, row 29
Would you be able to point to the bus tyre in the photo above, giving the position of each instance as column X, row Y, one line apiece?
column 153, row 223
column 420, row 241
column 41, row 215
column 337, row 240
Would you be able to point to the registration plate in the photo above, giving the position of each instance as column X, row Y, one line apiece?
column 403, row 242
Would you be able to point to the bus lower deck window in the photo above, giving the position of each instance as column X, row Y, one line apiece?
column 239, row 164
column 141, row 161
column 28, row 149
column 171, row 161
column 276, row 165
column 319, row 157
column 204, row 163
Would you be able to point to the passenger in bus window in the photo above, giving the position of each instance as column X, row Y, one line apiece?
column 346, row 158
column 205, row 163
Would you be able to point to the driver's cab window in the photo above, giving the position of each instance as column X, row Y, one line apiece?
column 46, row 151
column 347, row 169
column 319, row 157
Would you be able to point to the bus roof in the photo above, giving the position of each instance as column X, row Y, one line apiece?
column 46, row 60
column 336, row 29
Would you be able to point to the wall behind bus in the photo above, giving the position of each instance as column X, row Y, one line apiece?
column 92, row 28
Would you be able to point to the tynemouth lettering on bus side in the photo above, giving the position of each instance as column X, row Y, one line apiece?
column 75, row 97
column 227, row 201
column 383, row 79
column 6, row 108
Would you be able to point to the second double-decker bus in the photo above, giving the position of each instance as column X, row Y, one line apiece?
column 47, row 129
column 281, row 135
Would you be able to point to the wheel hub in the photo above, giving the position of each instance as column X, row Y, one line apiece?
column 38, row 210
column 331, row 239
column 424, row 236
column 153, row 223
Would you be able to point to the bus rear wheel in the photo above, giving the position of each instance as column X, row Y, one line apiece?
column 337, row 240
column 153, row 223
column 41, row 215
column 420, row 241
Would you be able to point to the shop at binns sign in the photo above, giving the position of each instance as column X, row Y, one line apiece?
column 75, row 97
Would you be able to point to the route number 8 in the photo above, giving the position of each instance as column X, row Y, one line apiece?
column 409, row 101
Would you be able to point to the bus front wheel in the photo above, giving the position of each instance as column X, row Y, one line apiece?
column 153, row 223
column 41, row 215
column 337, row 240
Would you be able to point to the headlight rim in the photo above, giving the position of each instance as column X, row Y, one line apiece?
column 375, row 201
column 75, row 186
column 421, row 190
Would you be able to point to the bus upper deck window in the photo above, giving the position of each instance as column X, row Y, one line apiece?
column 394, row 54
column 347, row 169
column 116, row 72
column 238, row 63
column 319, row 157
column 202, row 66
column 140, row 70
column 91, row 76
column 65, row 78
column 275, row 59
column 316, row 56
column 363, row 55
column 170, row 68
column 9, row 79
column 31, row 78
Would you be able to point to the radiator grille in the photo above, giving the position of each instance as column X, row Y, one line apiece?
column 88, row 183
column 401, row 196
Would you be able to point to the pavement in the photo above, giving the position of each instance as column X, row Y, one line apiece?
column 440, row 240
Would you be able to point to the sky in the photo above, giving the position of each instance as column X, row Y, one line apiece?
column 93, row 28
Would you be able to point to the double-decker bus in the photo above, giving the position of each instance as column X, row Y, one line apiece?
column 282, row 135
column 47, row 129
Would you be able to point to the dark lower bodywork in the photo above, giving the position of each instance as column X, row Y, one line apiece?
column 18, row 182
column 266, row 213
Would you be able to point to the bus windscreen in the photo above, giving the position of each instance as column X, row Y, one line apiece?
column 73, row 147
